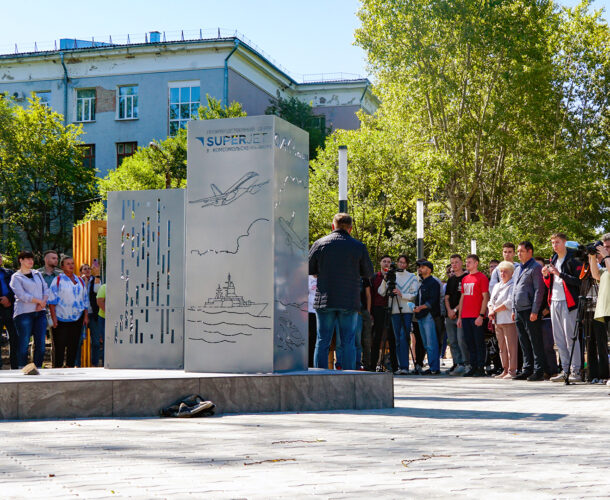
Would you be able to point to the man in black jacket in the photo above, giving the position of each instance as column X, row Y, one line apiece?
column 428, row 308
column 7, row 299
column 339, row 262
column 562, row 277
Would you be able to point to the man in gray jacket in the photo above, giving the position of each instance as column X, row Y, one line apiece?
column 528, row 295
column 339, row 261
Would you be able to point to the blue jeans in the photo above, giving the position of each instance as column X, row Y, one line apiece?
column 475, row 338
column 345, row 321
column 357, row 341
column 428, row 334
column 28, row 324
column 402, row 334
column 97, row 326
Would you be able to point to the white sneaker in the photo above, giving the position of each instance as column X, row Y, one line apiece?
column 559, row 378
column 401, row 371
column 575, row 377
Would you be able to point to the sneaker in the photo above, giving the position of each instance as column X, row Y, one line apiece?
column 521, row 376
column 470, row 373
column 480, row 372
column 379, row 368
column 435, row 372
column 459, row 371
column 401, row 371
column 575, row 377
column 535, row 377
column 561, row 377
column 451, row 370
column 427, row 372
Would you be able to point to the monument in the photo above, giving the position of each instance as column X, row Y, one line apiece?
column 214, row 279
column 246, row 284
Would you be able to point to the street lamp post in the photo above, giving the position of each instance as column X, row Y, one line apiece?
column 343, row 179
column 420, row 228
column 473, row 246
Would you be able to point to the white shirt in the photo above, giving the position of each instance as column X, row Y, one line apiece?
column 558, row 290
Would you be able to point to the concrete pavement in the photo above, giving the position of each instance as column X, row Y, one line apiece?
column 446, row 438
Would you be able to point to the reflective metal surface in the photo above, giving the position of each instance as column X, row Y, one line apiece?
column 145, row 279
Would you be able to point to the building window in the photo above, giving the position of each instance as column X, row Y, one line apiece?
column 85, row 105
column 184, row 102
column 123, row 150
column 89, row 156
column 45, row 97
column 128, row 102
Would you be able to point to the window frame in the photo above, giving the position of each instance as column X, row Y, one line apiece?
column 121, row 156
column 130, row 98
column 46, row 104
column 180, row 85
column 91, row 104
column 89, row 148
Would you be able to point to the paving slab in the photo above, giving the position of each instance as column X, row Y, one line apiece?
column 445, row 438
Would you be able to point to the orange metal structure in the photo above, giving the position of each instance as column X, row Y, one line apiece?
column 85, row 250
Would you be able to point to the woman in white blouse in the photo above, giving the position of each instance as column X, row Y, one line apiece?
column 500, row 309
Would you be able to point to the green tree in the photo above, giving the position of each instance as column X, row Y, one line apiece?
column 43, row 179
column 301, row 114
column 161, row 164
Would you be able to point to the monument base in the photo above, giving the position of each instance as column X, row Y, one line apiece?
column 98, row 392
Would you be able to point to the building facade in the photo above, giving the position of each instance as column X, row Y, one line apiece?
column 128, row 95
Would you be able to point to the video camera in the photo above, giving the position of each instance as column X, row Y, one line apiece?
column 390, row 277
column 582, row 251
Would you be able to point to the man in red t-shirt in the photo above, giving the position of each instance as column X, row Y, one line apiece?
column 473, row 304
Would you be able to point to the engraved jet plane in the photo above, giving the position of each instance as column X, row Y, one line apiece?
column 237, row 190
column 292, row 238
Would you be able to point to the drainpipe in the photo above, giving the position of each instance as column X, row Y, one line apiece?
column 226, row 89
column 61, row 55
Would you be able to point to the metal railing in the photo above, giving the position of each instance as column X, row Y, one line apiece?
column 168, row 36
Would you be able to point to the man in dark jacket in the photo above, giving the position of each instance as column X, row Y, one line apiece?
column 7, row 299
column 528, row 295
column 562, row 277
column 428, row 308
column 339, row 262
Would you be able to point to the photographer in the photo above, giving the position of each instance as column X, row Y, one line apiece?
column 598, row 348
column 378, row 312
column 403, row 285
column 561, row 277
column 428, row 308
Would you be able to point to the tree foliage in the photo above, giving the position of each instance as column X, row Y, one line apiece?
column 301, row 114
column 159, row 165
column 497, row 115
column 43, row 182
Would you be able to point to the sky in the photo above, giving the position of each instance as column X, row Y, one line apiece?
column 304, row 37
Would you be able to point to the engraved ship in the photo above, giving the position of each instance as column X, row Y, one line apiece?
column 226, row 298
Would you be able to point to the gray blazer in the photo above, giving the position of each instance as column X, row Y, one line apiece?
column 529, row 289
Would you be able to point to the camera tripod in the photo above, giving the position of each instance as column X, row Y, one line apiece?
column 584, row 317
column 386, row 323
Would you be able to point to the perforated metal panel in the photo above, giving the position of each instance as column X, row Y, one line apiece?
column 145, row 281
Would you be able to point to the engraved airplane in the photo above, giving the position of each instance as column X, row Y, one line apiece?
column 237, row 190
column 292, row 238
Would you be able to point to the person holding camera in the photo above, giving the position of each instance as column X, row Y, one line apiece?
column 378, row 314
column 562, row 277
column 404, row 286
column 598, row 348
column 339, row 261
column 428, row 308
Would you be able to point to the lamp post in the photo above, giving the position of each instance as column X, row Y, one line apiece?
column 168, row 178
column 473, row 246
column 343, row 179
column 420, row 228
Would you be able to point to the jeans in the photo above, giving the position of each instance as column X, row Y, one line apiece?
column 97, row 327
column 530, row 339
column 6, row 319
column 357, row 342
column 428, row 334
column 455, row 339
column 29, row 324
column 345, row 321
column 402, row 334
column 475, row 339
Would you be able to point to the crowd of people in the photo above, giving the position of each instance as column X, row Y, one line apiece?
column 54, row 302
column 531, row 319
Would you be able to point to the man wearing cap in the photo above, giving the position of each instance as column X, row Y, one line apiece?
column 428, row 308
